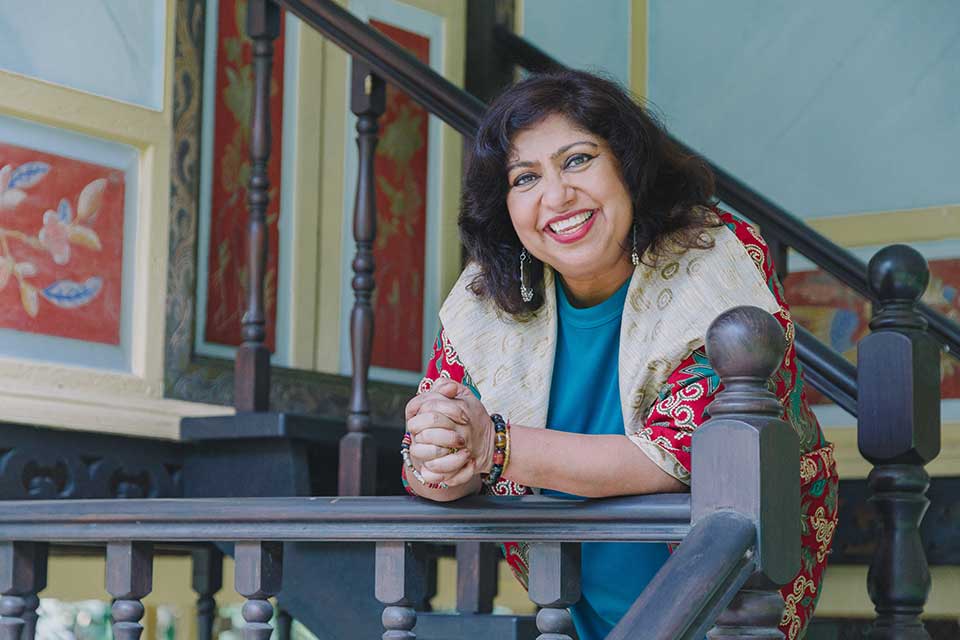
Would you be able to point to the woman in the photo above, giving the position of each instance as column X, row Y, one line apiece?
column 596, row 264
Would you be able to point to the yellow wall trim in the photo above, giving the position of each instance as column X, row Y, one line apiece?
column 888, row 227
column 844, row 593
column 101, row 412
column 851, row 465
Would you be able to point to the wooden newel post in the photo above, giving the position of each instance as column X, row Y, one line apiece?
column 898, row 373
column 207, row 580
column 23, row 572
column 554, row 586
column 129, row 580
column 357, row 475
column 259, row 575
column 747, row 459
column 401, row 576
column 251, row 391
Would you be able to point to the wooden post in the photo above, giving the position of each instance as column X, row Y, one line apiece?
column 32, row 599
column 129, row 580
column 207, row 580
column 898, row 373
column 554, row 586
column 357, row 474
column 23, row 572
column 400, row 580
column 476, row 576
column 252, row 366
column 259, row 575
column 745, row 458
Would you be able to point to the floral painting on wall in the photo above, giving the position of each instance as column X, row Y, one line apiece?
column 227, row 256
column 840, row 317
column 400, row 167
column 61, row 245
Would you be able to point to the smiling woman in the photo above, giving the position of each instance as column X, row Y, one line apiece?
column 571, row 357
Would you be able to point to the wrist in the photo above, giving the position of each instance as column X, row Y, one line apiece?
column 501, row 446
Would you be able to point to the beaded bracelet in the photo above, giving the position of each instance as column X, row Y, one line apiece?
column 501, row 444
column 408, row 463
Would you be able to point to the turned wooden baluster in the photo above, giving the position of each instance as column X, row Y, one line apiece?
column 476, row 576
column 554, row 585
column 898, row 374
column 207, row 580
column 259, row 575
column 129, row 580
column 357, row 474
column 251, row 390
column 23, row 569
column 748, row 460
column 32, row 599
column 400, row 569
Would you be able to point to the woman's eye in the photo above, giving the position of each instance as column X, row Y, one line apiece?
column 523, row 179
column 577, row 160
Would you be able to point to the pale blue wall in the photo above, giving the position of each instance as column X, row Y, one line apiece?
column 826, row 107
column 112, row 48
column 592, row 35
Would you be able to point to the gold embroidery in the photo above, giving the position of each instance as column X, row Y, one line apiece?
column 790, row 616
column 670, row 270
column 824, row 526
column 665, row 298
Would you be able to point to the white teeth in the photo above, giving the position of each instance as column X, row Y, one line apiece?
column 569, row 224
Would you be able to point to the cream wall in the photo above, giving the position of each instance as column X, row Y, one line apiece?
column 74, row 397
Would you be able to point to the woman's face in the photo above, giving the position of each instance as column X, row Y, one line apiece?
column 568, row 202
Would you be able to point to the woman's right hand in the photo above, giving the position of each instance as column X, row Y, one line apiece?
column 449, row 441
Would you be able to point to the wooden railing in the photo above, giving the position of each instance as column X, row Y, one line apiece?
column 739, row 528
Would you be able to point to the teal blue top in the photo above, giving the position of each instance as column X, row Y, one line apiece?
column 585, row 398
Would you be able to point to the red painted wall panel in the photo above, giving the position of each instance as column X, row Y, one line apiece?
column 61, row 245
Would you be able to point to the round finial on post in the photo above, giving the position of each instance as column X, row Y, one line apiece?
column 745, row 345
column 898, row 273
column 897, row 276
column 745, row 342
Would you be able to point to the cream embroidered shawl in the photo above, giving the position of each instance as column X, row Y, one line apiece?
column 665, row 317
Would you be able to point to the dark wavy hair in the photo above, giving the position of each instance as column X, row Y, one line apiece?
column 668, row 186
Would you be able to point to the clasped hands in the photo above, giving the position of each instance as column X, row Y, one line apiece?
column 452, row 434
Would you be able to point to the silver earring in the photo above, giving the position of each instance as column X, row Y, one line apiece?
column 526, row 291
column 634, row 255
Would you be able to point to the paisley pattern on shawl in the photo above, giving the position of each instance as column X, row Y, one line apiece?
column 679, row 407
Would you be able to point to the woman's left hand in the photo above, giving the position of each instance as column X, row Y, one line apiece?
column 449, row 415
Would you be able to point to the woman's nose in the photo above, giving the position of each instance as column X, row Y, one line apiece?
column 558, row 193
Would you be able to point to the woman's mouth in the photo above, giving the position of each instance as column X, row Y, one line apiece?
column 573, row 227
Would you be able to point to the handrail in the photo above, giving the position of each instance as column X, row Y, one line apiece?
column 713, row 558
column 441, row 97
column 650, row 518
column 791, row 230
column 464, row 111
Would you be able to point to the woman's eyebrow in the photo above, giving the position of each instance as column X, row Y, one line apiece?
column 562, row 150
column 556, row 154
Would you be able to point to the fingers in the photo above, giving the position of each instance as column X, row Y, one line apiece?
column 448, row 464
column 453, row 409
column 464, row 475
column 431, row 420
column 430, row 451
column 444, row 387
column 441, row 438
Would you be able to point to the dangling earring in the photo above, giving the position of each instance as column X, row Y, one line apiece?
column 526, row 291
column 634, row 255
